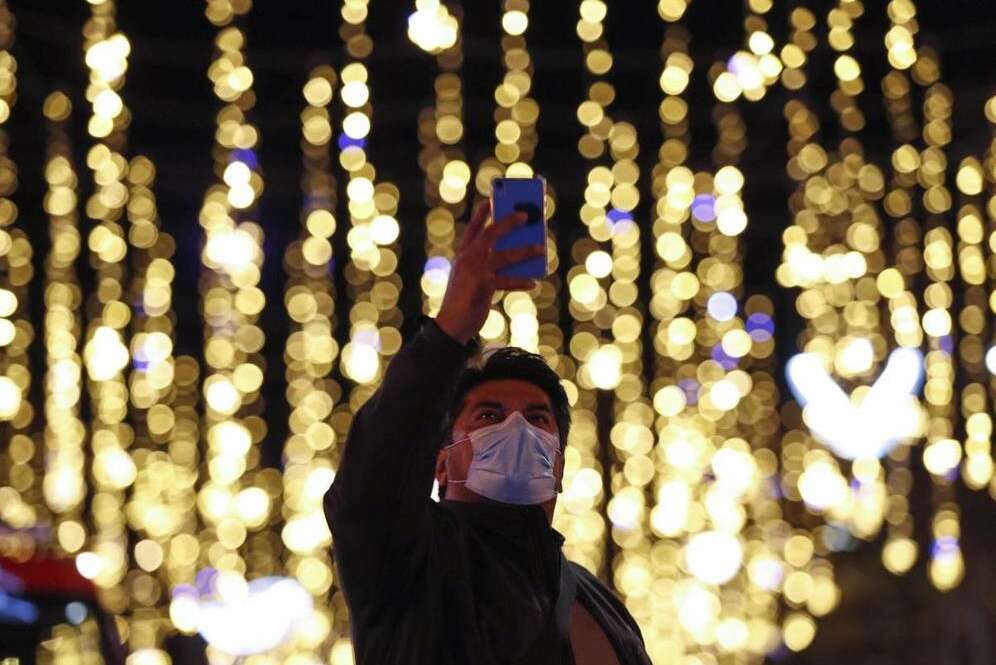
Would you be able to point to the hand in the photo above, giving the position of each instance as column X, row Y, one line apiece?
column 472, row 281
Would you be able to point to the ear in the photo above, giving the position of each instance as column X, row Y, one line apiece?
column 558, row 472
column 441, row 471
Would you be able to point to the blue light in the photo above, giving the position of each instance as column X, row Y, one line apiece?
column 76, row 612
column 440, row 263
column 691, row 390
column 945, row 546
column 185, row 590
column 17, row 610
column 704, row 207
column 347, row 141
column 725, row 360
column 205, row 581
column 760, row 327
column 246, row 156
column 946, row 344
column 616, row 215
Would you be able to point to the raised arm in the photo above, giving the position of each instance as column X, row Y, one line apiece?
column 379, row 500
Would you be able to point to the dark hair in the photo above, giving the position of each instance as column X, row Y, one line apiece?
column 511, row 362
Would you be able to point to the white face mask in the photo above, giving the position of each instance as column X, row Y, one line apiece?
column 513, row 461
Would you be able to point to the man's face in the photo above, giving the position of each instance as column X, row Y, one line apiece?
column 486, row 404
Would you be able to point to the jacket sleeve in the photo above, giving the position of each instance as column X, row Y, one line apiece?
column 379, row 501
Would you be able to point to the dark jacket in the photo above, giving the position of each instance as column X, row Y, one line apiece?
column 450, row 582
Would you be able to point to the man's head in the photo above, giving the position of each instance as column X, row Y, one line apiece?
column 510, row 380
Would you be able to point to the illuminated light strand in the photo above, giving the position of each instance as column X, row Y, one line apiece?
column 588, row 462
column 618, row 366
column 447, row 174
column 818, row 260
column 515, row 116
column 846, row 67
column 234, row 497
column 900, row 550
column 942, row 453
column 105, row 353
column 990, row 207
column 737, row 397
column 977, row 221
column 732, row 395
column 898, row 203
column 22, row 467
column 164, row 482
column 373, row 285
column 778, row 559
column 814, row 260
column 675, row 511
column 310, row 354
column 64, row 485
column 749, row 73
column 671, row 288
column 977, row 464
column 371, row 272
column 866, row 234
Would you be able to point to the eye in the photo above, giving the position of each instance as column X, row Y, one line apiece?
column 487, row 414
column 540, row 418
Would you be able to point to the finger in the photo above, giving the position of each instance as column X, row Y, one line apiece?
column 503, row 226
column 513, row 283
column 506, row 257
column 476, row 222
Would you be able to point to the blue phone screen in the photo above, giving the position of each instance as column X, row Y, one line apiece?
column 511, row 195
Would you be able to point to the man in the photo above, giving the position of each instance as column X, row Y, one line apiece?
column 478, row 578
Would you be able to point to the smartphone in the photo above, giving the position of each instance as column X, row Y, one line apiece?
column 511, row 195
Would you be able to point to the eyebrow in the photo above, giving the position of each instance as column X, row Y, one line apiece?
column 536, row 406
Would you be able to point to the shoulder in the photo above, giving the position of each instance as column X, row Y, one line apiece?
column 599, row 597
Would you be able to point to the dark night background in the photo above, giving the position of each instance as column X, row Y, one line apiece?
column 882, row 619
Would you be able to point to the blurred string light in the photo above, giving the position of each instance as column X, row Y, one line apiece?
column 310, row 354
column 975, row 319
column 21, row 465
column 441, row 134
column 609, row 321
column 163, row 491
column 64, row 485
column 901, row 550
column 373, row 285
column 942, row 453
column 587, row 461
column 828, row 248
column 431, row 27
column 751, row 71
column 235, row 498
column 19, row 462
column 105, row 352
column 515, row 116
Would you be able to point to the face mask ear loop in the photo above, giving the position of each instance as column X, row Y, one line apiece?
column 457, row 442
column 462, row 439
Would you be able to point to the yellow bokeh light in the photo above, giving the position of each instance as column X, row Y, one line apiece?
column 514, row 22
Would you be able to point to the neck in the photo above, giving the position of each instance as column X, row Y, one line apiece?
column 457, row 493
